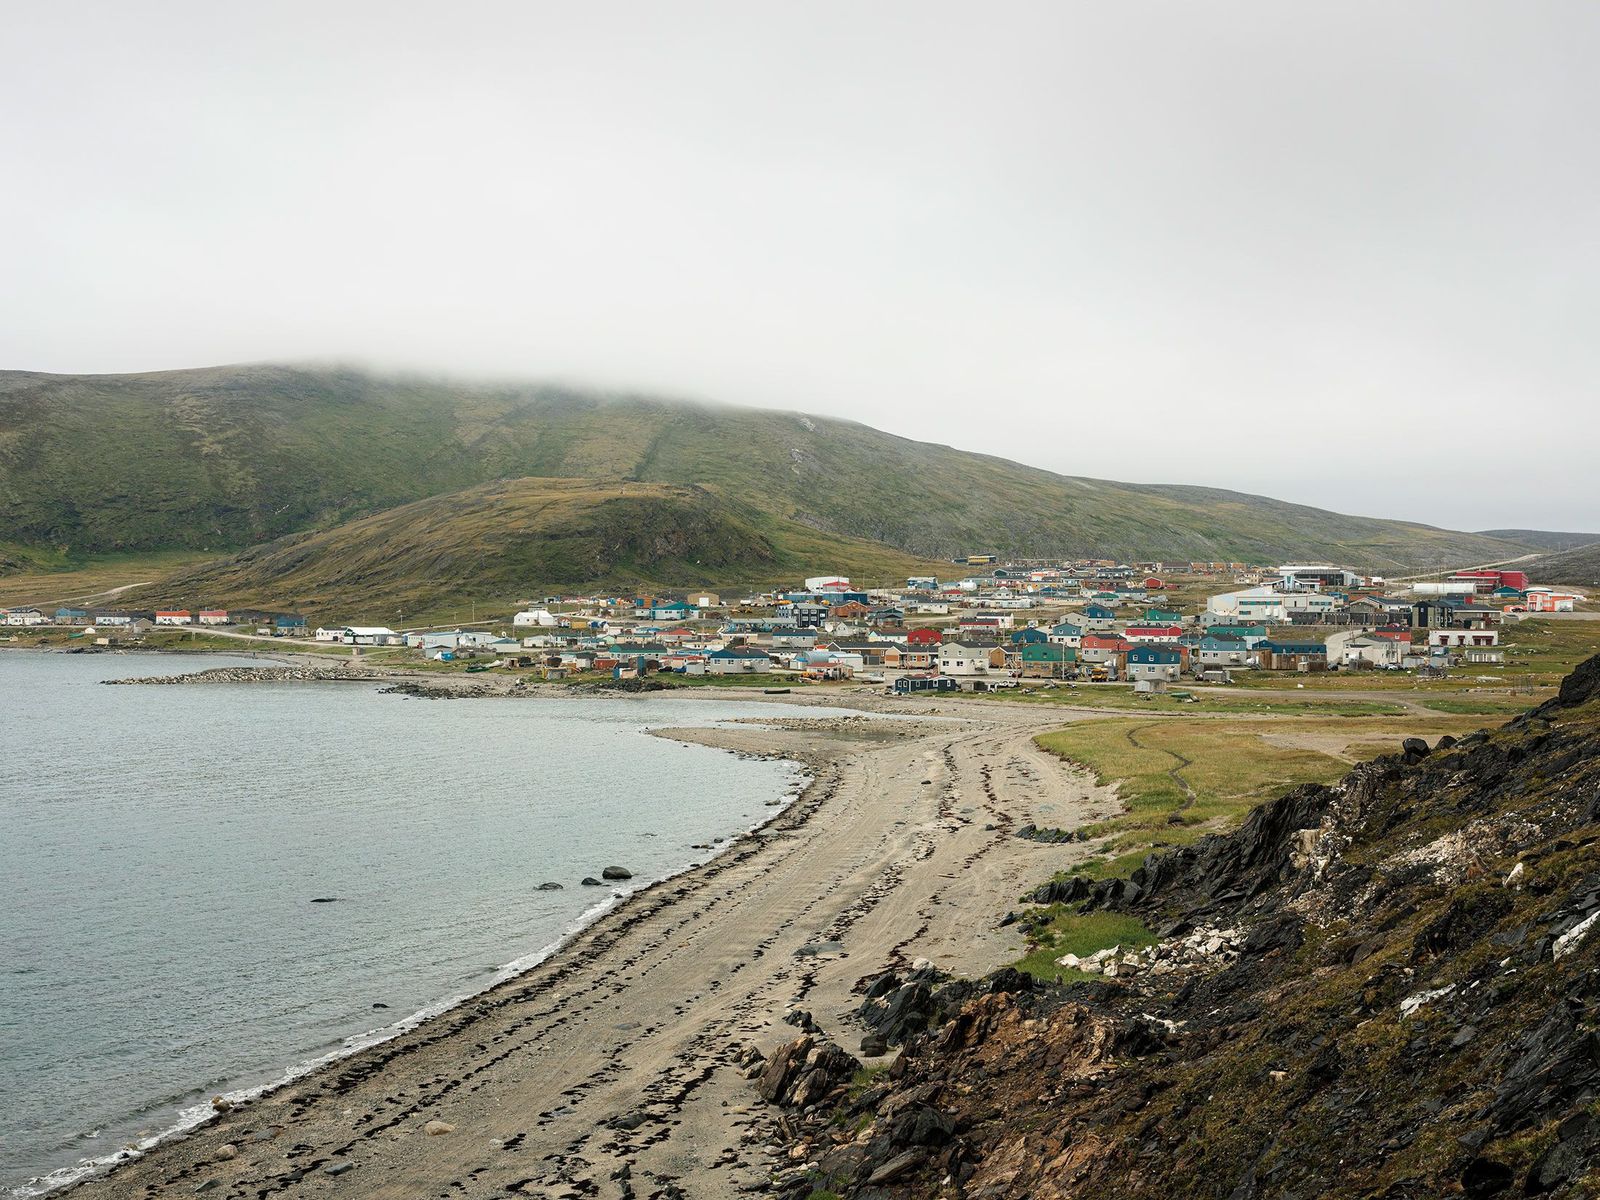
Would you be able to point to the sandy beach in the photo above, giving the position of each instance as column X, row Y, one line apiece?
column 609, row 1070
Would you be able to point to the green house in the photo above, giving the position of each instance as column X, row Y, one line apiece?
column 1162, row 616
column 1046, row 658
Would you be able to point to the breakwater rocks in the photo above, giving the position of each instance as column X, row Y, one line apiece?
column 260, row 675
column 471, row 691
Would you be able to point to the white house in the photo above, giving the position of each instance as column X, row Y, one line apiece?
column 175, row 617
column 24, row 616
column 543, row 618
column 1357, row 647
column 1543, row 599
column 1067, row 633
column 1248, row 604
column 737, row 660
column 958, row 660
column 213, row 616
column 1309, row 602
column 370, row 635
column 1452, row 638
column 438, row 639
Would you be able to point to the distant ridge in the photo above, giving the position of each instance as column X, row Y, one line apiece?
column 225, row 457
column 1579, row 567
column 1543, row 539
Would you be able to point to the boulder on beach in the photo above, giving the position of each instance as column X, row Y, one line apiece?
column 437, row 1128
column 591, row 881
column 549, row 887
column 616, row 873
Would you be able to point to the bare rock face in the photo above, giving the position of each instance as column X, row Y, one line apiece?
column 804, row 1072
column 1386, row 986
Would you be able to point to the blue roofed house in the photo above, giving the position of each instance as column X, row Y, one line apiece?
column 1098, row 617
column 673, row 610
column 1153, row 660
column 1068, row 633
column 288, row 625
column 1031, row 636
column 1215, row 649
column 1253, row 635
column 1292, row 656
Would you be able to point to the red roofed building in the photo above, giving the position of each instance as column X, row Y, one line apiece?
column 924, row 637
column 1103, row 647
column 1153, row 633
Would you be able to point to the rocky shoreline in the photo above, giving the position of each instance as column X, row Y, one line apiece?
column 1385, row 987
column 606, row 1070
column 259, row 675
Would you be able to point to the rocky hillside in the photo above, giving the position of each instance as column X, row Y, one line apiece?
column 1389, row 987
column 223, row 458
column 1579, row 567
column 1544, row 539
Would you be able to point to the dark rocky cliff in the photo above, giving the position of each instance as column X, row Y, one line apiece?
column 1385, row 988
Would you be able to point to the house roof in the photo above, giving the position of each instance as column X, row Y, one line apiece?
column 1155, row 654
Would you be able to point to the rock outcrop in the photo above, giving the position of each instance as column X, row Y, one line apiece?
column 1389, row 987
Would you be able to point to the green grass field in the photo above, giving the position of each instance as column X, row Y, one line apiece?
column 1204, row 700
column 1181, row 779
column 1056, row 931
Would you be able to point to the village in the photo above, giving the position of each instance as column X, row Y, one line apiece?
column 1149, row 626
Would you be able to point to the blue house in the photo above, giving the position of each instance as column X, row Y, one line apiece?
column 1150, row 661
column 288, row 625
column 1032, row 636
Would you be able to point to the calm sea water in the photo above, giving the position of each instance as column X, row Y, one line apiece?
column 160, row 848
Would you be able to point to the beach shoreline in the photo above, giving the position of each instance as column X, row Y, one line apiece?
column 664, row 960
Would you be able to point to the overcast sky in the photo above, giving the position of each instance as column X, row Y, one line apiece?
column 1344, row 254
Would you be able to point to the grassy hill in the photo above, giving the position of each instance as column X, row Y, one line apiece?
column 498, row 542
column 230, row 456
column 1579, row 567
column 1543, row 539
